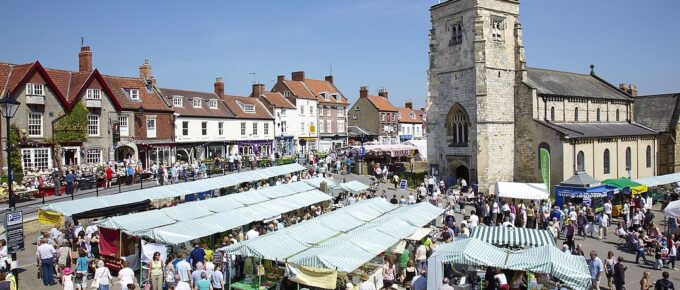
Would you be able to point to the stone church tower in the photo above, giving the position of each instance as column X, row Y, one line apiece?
column 476, row 57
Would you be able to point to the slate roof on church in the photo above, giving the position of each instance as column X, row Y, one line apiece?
column 568, row 84
column 599, row 130
column 659, row 112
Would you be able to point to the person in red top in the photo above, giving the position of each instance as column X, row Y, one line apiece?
column 109, row 176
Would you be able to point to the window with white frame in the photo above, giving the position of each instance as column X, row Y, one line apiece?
column 35, row 89
column 328, row 126
column 302, row 128
column 220, row 128
column 286, row 94
column 177, row 101
column 382, row 117
column 248, row 108
column 336, row 97
column 93, row 125
column 324, row 96
column 150, row 127
column 341, row 126
column 196, row 102
column 283, row 112
column 93, row 94
column 93, row 156
column 341, row 112
column 265, row 131
column 283, row 126
column 322, row 129
column 185, row 128
column 354, row 117
column 212, row 104
column 35, row 124
column 328, row 112
column 204, row 128
column 311, row 110
column 320, row 110
column 243, row 128
column 302, row 111
column 123, row 128
column 36, row 158
column 133, row 93
column 254, row 128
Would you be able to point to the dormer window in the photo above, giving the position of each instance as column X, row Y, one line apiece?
column 133, row 93
column 212, row 104
column 196, row 102
column 286, row 94
column 248, row 108
column 177, row 101
column 93, row 94
column 335, row 97
column 324, row 96
column 35, row 89
column 412, row 115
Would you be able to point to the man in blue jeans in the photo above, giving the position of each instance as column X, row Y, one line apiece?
column 70, row 178
column 45, row 255
column 640, row 251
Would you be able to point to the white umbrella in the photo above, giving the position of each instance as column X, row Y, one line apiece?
column 673, row 209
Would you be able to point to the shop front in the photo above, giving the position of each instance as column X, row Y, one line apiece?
column 285, row 145
column 329, row 143
column 249, row 147
column 308, row 144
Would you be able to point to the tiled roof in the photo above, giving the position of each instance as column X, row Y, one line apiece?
column 188, row 109
column 659, row 112
column 599, row 130
column 277, row 100
column 299, row 89
column 150, row 100
column 232, row 102
column 382, row 104
column 11, row 74
column 551, row 82
column 318, row 86
column 405, row 116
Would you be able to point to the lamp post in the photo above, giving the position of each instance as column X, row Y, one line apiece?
column 9, row 107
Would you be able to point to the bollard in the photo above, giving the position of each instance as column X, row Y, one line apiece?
column 118, row 184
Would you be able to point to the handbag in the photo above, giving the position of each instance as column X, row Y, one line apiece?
column 95, row 282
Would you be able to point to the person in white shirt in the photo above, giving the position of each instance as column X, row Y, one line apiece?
column 252, row 233
column 183, row 269
column 103, row 275
column 45, row 254
column 474, row 219
column 411, row 198
column 608, row 211
column 421, row 257
column 181, row 285
column 91, row 229
column 126, row 276
column 365, row 284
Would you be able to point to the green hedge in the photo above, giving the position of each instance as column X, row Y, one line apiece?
column 15, row 156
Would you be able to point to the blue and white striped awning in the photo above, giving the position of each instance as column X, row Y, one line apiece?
column 515, row 237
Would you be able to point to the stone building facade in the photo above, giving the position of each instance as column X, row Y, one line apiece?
column 375, row 114
column 662, row 113
column 489, row 114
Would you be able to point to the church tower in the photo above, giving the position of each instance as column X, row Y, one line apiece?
column 475, row 58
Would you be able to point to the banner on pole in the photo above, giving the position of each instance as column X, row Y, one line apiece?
column 49, row 217
column 545, row 170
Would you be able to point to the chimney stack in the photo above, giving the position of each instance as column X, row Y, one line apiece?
column 409, row 104
column 363, row 92
column 85, row 59
column 329, row 79
column 280, row 78
column 382, row 92
column 632, row 90
column 219, row 87
column 298, row 76
column 258, row 90
column 145, row 72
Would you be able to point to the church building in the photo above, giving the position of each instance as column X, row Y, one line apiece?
column 489, row 113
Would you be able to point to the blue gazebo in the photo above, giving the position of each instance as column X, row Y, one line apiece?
column 583, row 188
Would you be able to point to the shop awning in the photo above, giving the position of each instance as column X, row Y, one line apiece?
column 471, row 251
column 354, row 186
column 622, row 182
column 79, row 206
column 672, row 209
column 520, row 190
column 659, row 180
column 572, row 270
column 515, row 237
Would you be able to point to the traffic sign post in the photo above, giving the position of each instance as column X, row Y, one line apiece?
column 14, row 224
column 403, row 184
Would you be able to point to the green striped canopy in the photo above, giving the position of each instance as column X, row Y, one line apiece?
column 498, row 235
column 473, row 252
column 572, row 270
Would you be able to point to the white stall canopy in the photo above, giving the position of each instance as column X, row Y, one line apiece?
column 521, row 190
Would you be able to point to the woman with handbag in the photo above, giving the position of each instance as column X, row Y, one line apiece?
column 102, row 277
column 156, row 272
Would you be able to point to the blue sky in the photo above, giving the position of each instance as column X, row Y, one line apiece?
column 379, row 43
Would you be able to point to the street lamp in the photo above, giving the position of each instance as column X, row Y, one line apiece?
column 9, row 107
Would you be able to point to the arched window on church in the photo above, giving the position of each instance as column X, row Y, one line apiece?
column 580, row 161
column 598, row 114
column 552, row 114
column 457, row 126
column 617, row 115
column 648, row 156
column 629, row 158
column 576, row 114
column 606, row 161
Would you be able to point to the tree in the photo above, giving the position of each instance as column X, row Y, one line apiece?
column 15, row 156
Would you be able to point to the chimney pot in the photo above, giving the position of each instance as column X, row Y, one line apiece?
column 219, row 87
column 329, row 79
column 85, row 59
column 298, row 76
column 363, row 92
column 145, row 70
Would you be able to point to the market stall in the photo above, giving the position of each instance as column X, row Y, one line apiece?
column 513, row 237
column 627, row 185
column 659, row 180
column 582, row 188
column 476, row 255
column 521, row 190
column 672, row 209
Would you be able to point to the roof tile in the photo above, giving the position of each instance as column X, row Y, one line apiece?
column 187, row 107
column 382, row 104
